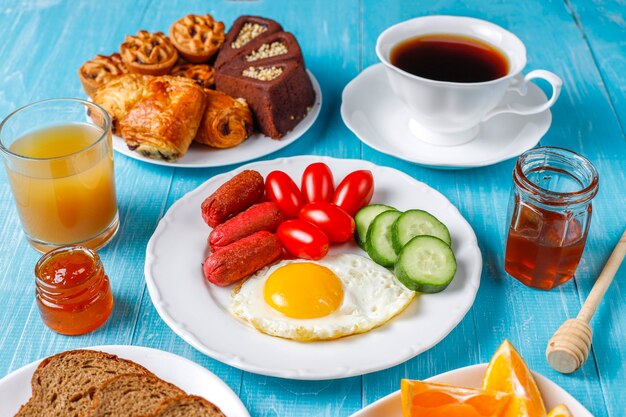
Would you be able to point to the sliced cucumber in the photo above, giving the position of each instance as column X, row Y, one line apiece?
column 417, row 223
column 426, row 264
column 378, row 241
column 365, row 217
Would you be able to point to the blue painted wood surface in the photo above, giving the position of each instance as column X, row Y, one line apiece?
column 584, row 41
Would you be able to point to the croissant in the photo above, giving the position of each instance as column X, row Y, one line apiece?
column 119, row 96
column 158, row 117
column 226, row 122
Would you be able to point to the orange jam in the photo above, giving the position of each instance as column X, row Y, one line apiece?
column 73, row 293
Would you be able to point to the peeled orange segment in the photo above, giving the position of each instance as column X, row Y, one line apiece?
column 425, row 399
column 560, row 410
column 507, row 372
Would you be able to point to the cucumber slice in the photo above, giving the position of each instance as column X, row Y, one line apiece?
column 378, row 241
column 426, row 264
column 417, row 223
column 365, row 217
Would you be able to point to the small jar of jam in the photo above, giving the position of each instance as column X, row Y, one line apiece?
column 73, row 292
column 549, row 214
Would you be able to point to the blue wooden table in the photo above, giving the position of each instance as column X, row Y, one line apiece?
column 584, row 41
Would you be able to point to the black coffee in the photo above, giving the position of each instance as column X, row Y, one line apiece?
column 446, row 57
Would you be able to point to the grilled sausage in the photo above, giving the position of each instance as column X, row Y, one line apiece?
column 233, row 197
column 259, row 217
column 242, row 258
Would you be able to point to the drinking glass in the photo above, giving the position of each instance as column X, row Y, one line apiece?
column 58, row 157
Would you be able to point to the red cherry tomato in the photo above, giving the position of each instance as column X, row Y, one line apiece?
column 355, row 191
column 317, row 183
column 281, row 189
column 331, row 219
column 303, row 239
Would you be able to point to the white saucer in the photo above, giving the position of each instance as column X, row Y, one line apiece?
column 381, row 121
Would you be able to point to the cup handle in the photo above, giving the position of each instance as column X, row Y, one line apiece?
column 521, row 88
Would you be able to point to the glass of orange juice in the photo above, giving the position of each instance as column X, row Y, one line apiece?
column 59, row 160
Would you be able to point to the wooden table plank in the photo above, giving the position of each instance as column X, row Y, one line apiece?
column 50, row 39
column 603, row 26
column 505, row 308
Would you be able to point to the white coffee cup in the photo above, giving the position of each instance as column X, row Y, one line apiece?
column 449, row 113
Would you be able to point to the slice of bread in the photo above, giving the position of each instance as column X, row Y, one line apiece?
column 63, row 385
column 188, row 406
column 131, row 395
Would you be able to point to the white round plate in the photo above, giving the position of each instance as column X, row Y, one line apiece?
column 15, row 388
column 472, row 376
column 380, row 120
column 256, row 146
column 197, row 311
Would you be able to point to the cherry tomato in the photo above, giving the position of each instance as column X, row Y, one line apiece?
column 331, row 219
column 317, row 183
column 281, row 189
column 303, row 239
column 355, row 191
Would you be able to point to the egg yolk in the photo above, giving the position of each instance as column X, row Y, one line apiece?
column 303, row 290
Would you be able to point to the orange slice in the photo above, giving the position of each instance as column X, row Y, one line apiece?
column 560, row 410
column 424, row 399
column 507, row 372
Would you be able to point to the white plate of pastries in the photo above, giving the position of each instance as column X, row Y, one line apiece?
column 201, row 97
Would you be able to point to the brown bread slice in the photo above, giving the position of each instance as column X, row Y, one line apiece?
column 64, row 384
column 131, row 395
column 188, row 406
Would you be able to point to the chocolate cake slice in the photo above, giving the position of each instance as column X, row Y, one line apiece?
column 280, row 94
column 266, row 50
column 244, row 30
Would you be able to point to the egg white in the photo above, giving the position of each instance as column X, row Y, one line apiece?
column 372, row 296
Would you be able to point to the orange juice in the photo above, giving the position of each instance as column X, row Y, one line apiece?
column 64, row 186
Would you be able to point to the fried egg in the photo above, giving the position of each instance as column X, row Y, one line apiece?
column 322, row 300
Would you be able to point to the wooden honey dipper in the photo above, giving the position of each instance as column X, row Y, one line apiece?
column 570, row 345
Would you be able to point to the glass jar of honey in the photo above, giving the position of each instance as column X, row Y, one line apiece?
column 549, row 212
column 73, row 292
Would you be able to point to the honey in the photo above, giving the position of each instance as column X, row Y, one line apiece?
column 549, row 215
column 73, row 292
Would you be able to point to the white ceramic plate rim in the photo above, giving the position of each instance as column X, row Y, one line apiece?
column 317, row 372
column 235, row 157
column 393, row 400
column 424, row 161
column 223, row 396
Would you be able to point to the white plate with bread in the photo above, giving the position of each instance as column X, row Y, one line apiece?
column 179, row 385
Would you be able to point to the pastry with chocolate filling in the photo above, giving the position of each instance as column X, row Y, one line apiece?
column 119, row 96
column 149, row 53
column 202, row 74
column 226, row 121
column 197, row 38
column 280, row 94
column 163, row 123
column 158, row 117
column 244, row 30
column 100, row 70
